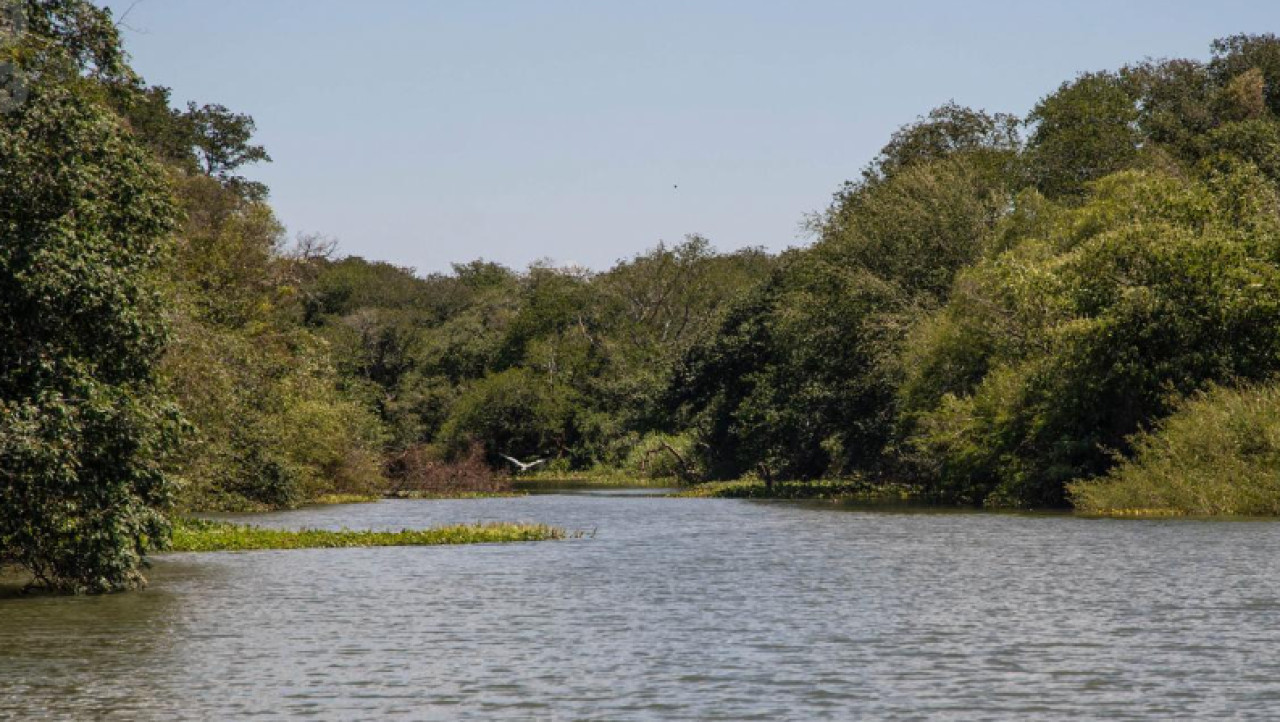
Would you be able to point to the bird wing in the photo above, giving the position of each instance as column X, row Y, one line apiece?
column 535, row 463
column 514, row 461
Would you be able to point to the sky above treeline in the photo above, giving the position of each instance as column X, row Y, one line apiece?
column 427, row 132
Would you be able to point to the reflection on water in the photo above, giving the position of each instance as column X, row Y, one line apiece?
column 678, row 608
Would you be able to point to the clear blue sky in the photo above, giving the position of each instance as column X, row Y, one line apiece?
column 426, row 132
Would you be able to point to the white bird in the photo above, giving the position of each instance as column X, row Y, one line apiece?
column 523, row 465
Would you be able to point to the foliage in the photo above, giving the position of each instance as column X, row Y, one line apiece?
column 1219, row 453
column 221, row 142
column 513, row 412
column 800, row 380
column 274, row 424
column 1238, row 55
column 1083, row 132
column 84, row 431
column 552, row 361
column 1052, row 353
column 662, row 456
column 948, row 131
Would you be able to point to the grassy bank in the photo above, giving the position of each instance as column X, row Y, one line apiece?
column 198, row 535
column 839, row 489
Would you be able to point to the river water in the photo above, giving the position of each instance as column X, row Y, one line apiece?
column 678, row 609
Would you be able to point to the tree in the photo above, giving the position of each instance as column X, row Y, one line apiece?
column 84, row 431
column 222, row 143
column 1177, row 104
column 1084, row 131
column 513, row 412
column 1239, row 54
column 75, row 31
column 946, row 131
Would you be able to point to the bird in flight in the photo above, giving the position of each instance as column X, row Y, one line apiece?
column 523, row 466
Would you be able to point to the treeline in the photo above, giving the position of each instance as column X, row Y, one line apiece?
column 991, row 312
column 999, row 310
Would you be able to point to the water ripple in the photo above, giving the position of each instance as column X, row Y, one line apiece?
column 678, row 609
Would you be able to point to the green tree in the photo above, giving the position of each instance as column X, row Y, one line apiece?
column 222, row 145
column 84, row 431
column 1082, row 132
column 947, row 131
column 513, row 412
column 1236, row 55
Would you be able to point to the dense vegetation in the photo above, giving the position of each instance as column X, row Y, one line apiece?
column 997, row 310
column 1218, row 454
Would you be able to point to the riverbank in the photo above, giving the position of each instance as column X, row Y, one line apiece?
column 596, row 477
column 433, row 495
column 200, row 535
column 833, row 489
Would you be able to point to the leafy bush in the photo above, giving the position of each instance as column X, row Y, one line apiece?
column 664, row 456
column 1218, row 454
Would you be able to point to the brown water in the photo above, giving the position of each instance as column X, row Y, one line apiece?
column 678, row 609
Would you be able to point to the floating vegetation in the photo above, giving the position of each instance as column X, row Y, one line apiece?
column 1137, row 513
column 201, row 535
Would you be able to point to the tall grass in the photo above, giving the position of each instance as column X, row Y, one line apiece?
column 1218, row 454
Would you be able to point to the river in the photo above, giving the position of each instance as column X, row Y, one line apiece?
column 678, row 609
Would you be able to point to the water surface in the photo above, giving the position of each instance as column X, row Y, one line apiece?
column 678, row 609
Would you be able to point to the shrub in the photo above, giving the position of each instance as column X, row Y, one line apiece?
column 1218, row 454
column 663, row 456
column 424, row 469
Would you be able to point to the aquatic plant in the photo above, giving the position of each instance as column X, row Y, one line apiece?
column 202, row 535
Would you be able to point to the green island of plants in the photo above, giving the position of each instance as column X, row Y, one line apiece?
column 198, row 535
